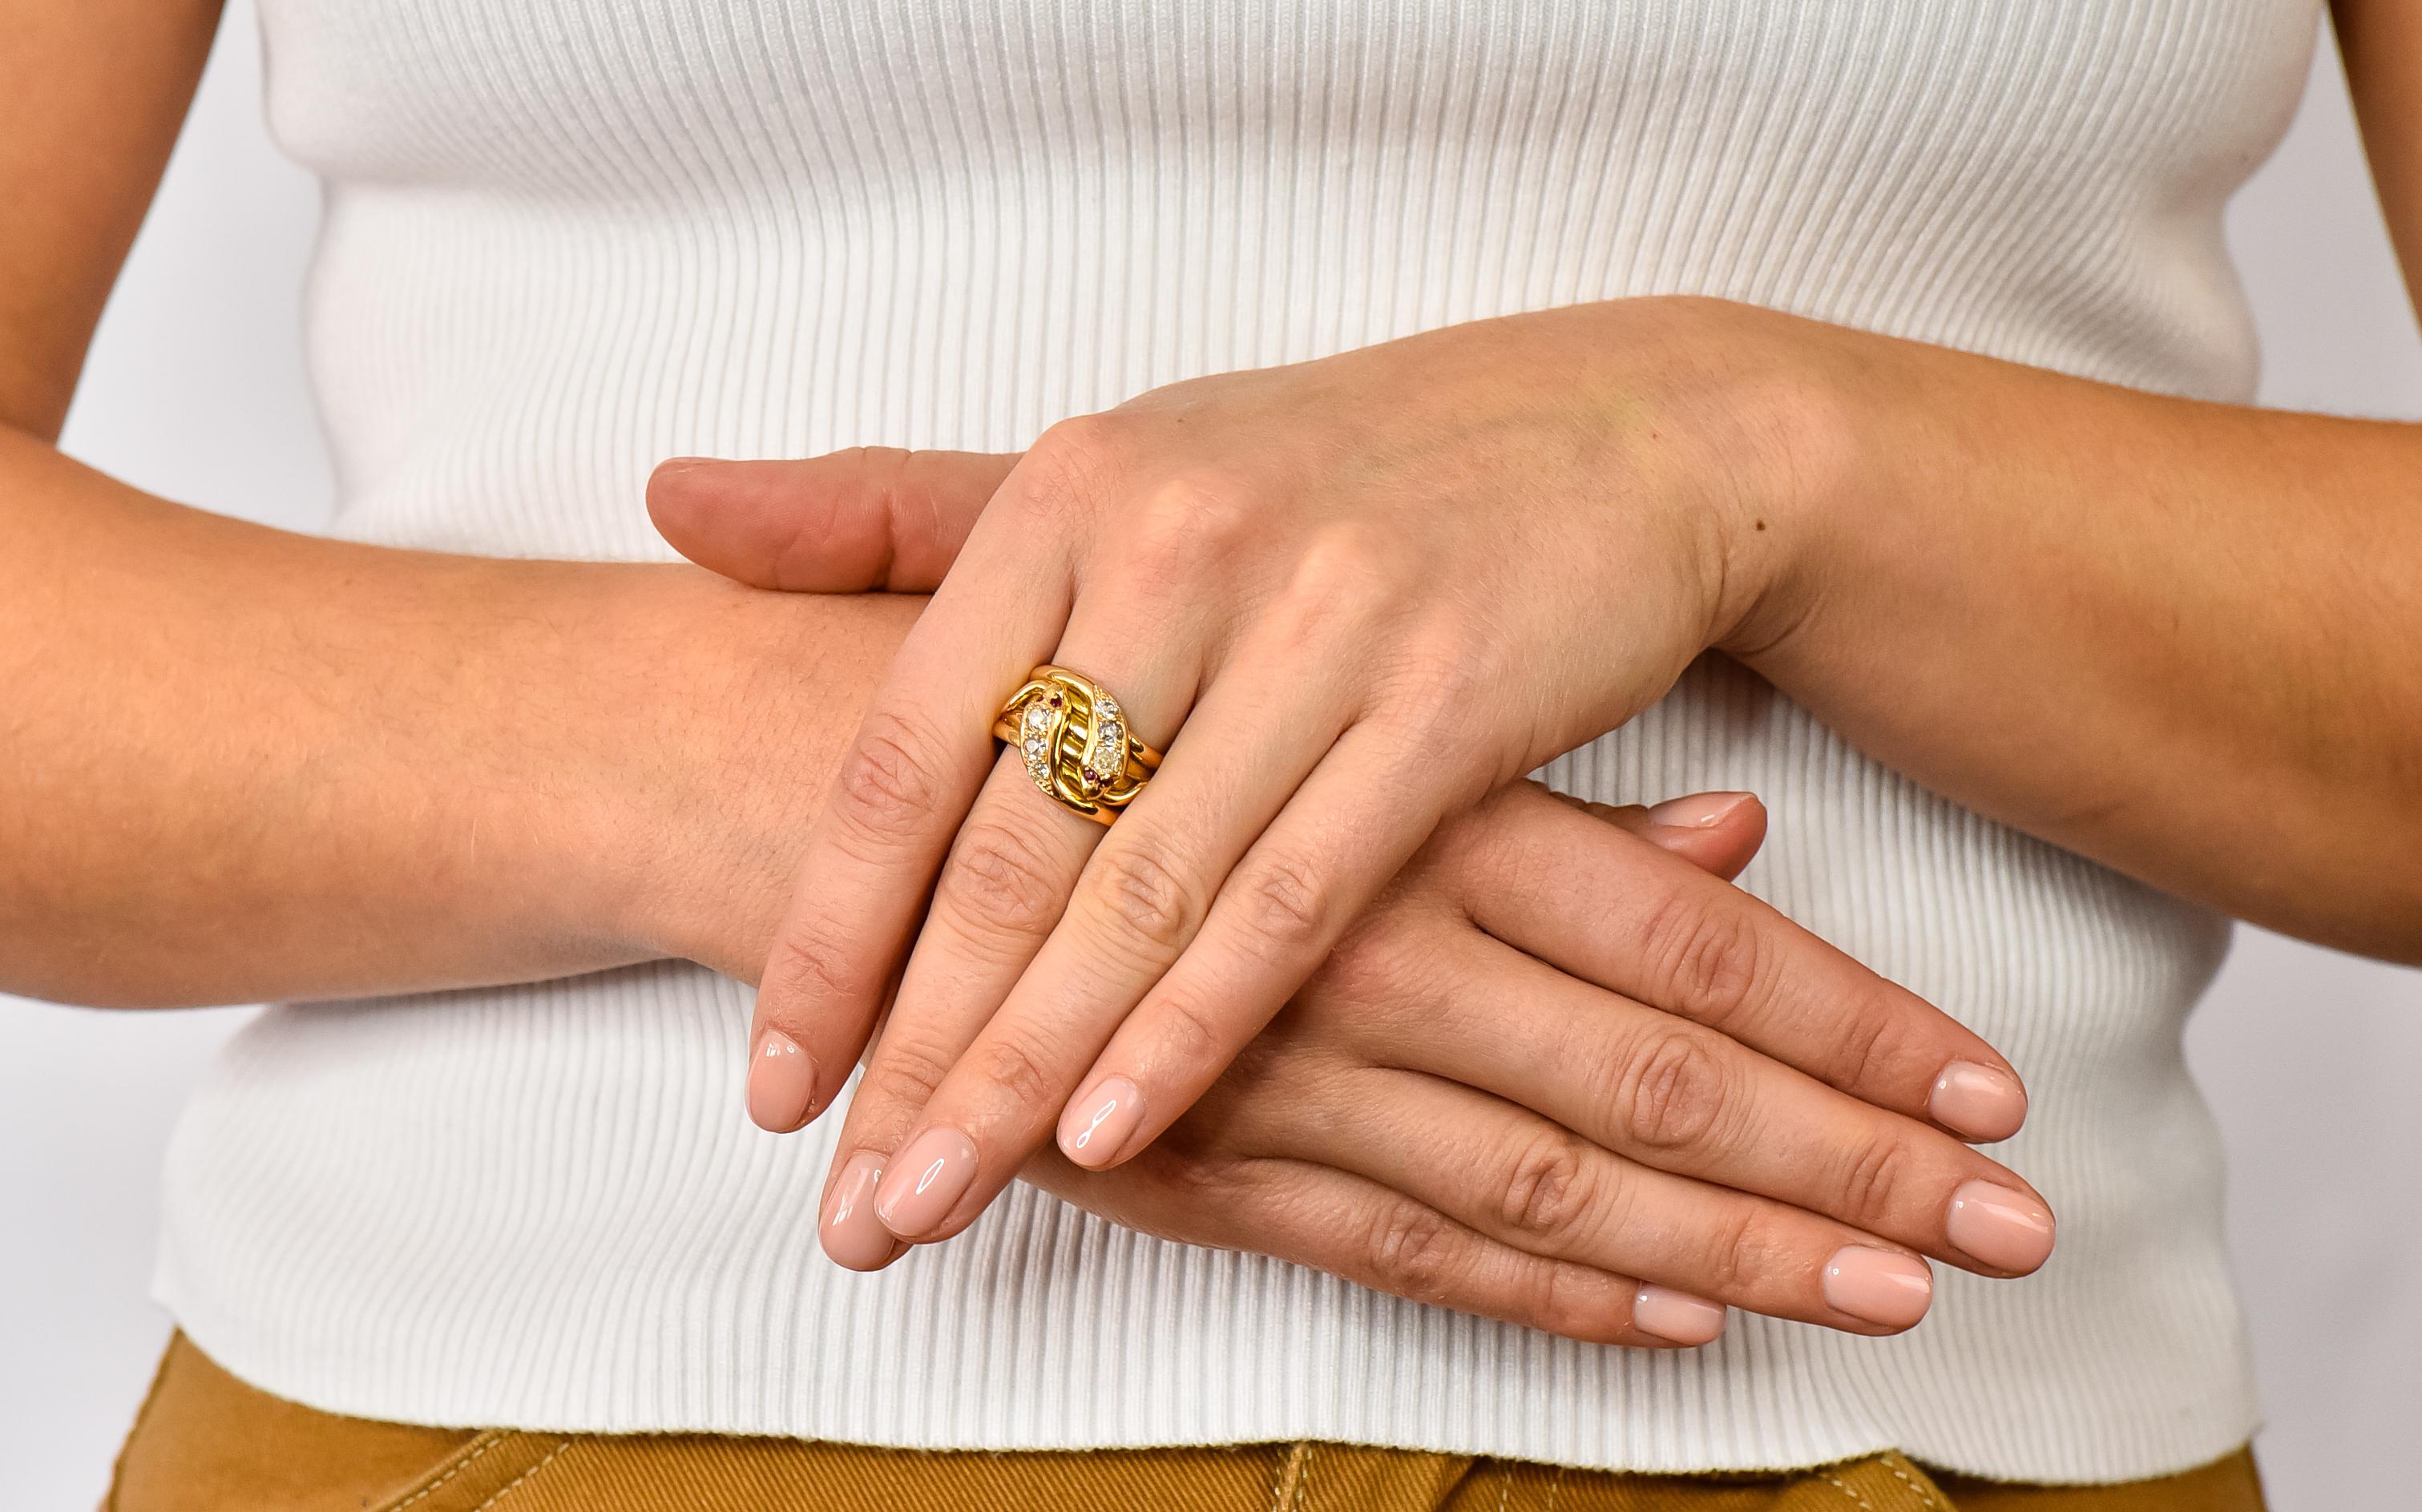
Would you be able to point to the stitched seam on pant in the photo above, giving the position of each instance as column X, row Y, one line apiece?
column 1842, row 1486
column 507, row 1489
column 1303, row 1482
column 1555, row 1486
column 1287, row 1479
column 465, row 1455
column 1925, row 1498
column 142, row 1415
column 1505, row 1485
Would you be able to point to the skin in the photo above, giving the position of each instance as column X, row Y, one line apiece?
column 454, row 772
column 1805, row 1080
column 2210, row 688
column 427, row 735
column 2238, row 726
column 1364, row 1108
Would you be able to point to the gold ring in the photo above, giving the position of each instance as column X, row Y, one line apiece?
column 1076, row 742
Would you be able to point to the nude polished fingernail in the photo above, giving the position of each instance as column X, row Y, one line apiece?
column 926, row 1181
column 853, row 1235
column 1881, row 1285
column 781, row 1084
column 1978, row 1103
column 1698, row 811
column 1096, row 1125
column 2000, row 1225
column 1677, row 1315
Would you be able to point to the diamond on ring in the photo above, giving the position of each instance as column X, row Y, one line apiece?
column 1073, row 742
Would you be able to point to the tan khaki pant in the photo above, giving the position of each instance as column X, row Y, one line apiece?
column 207, row 1442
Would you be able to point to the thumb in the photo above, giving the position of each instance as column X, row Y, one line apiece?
column 873, row 517
column 1717, row 833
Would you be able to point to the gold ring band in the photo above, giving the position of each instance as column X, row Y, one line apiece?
column 1076, row 742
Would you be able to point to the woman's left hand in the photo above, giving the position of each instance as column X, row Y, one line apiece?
column 1350, row 598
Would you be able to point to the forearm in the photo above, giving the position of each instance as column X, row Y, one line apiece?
column 237, row 763
column 2174, row 636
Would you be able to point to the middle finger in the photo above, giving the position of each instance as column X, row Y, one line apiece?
column 1136, row 907
column 1528, row 1182
column 1002, row 889
column 1682, row 1098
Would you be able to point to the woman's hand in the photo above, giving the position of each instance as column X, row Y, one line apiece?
column 1370, row 588
column 1451, row 1111
column 1344, row 1140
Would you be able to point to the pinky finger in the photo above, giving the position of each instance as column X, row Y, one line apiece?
column 1355, row 1228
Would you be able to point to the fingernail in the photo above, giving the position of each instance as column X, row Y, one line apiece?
column 1979, row 1103
column 1677, row 1315
column 1699, row 811
column 781, row 1084
column 926, row 1182
column 1096, row 1124
column 853, row 1235
column 1881, row 1285
column 2004, row 1227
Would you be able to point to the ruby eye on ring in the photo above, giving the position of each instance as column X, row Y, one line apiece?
column 1076, row 742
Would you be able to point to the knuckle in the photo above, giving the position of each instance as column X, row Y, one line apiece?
column 1190, row 1033
column 1710, row 957
column 1411, row 1250
column 1001, row 881
column 1388, row 975
column 1547, row 1190
column 903, row 1075
column 1079, row 443
column 1271, row 1063
column 1731, row 1254
column 888, row 784
column 1196, row 1175
column 1286, row 911
column 1143, row 900
column 1070, row 464
column 811, row 965
column 1444, row 670
column 1862, row 1044
column 1548, row 1302
column 879, row 470
column 1181, row 526
column 1364, row 968
column 1480, row 852
column 1022, row 1068
column 1347, row 572
column 1673, row 1093
column 1871, row 1178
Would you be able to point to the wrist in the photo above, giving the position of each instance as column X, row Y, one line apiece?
column 1776, row 452
column 742, row 702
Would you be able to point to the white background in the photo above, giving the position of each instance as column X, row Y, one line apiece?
column 195, row 391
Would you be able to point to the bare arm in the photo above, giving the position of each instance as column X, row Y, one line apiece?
column 2380, row 41
column 2175, row 636
column 239, row 763
column 2179, row 637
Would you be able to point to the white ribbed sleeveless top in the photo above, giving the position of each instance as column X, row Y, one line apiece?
column 567, row 238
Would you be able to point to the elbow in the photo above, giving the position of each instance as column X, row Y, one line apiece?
column 58, row 967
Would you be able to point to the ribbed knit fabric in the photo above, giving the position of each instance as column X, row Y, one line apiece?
column 567, row 238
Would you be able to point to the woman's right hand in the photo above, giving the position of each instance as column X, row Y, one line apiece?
column 1474, row 1103
column 1562, row 1072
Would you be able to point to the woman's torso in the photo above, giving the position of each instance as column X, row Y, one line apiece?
column 567, row 238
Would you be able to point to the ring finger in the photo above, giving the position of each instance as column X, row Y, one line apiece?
column 1315, row 1215
column 1002, row 891
column 1525, row 1181
column 1134, row 911
column 1673, row 1093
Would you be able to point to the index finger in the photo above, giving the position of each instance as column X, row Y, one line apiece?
column 1664, row 933
column 906, row 783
